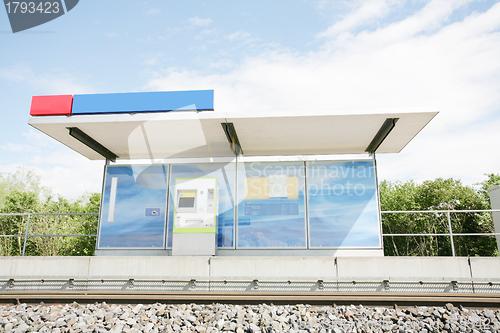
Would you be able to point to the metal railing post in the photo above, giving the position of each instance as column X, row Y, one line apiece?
column 451, row 233
column 26, row 234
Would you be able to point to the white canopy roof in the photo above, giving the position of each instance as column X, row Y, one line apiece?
column 200, row 134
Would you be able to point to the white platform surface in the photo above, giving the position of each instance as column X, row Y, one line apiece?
column 275, row 268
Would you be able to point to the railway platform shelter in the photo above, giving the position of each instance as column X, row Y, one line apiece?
column 181, row 178
column 201, row 205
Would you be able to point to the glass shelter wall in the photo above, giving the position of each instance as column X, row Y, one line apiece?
column 280, row 205
column 271, row 208
column 343, row 206
column 133, row 207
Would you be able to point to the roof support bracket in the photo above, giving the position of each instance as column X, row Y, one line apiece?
column 232, row 137
column 91, row 143
column 382, row 133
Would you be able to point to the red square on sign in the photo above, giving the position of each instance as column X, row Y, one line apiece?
column 51, row 105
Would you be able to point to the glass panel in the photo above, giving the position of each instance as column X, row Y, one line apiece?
column 343, row 209
column 225, row 174
column 133, row 211
column 271, row 210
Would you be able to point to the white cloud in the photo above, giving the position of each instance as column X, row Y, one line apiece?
column 74, row 180
column 239, row 35
column 153, row 59
column 153, row 11
column 116, row 34
column 64, row 171
column 362, row 13
column 71, row 181
column 223, row 64
column 199, row 22
column 463, row 153
column 16, row 147
column 54, row 82
column 15, row 74
column 419, row 61
column 198, row 48
column 208, row 31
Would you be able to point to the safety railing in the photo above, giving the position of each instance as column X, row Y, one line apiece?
column 450, row 233
column 26, row 235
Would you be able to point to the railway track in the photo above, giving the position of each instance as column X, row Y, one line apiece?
column 248, row 291
column 323, row 298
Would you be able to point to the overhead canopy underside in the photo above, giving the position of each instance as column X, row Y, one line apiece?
column 200, row 134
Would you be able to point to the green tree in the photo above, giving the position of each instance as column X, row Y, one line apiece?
column 62, row 225
column 21, row 192
column 22, row 180
column 439, row 194
column 15, row 202
column 85, row 246
column 493, row 179
column 82, row 225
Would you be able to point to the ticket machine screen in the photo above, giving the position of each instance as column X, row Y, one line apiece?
column 186, row 202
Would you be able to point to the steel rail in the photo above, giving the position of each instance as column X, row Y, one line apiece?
column 49, row 236
column 254, row 296
column 447, row 235
column 441, row 211
column 47, row 214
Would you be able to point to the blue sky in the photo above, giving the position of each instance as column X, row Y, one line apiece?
column 267, row 55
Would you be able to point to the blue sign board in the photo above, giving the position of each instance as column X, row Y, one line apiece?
column 159, row 101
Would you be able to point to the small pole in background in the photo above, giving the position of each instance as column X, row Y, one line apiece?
column 26, row 234
column 451, row 234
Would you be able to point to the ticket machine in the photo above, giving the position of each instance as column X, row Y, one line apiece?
column 195, row 216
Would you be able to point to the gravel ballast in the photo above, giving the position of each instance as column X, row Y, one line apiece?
column 102, row 317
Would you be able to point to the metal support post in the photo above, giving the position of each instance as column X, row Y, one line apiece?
column 386, row 285
column 494, row 193
column 451, row 233
column 26, row 234
column 255, row 284
column 379, row 205
column 321, row 285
